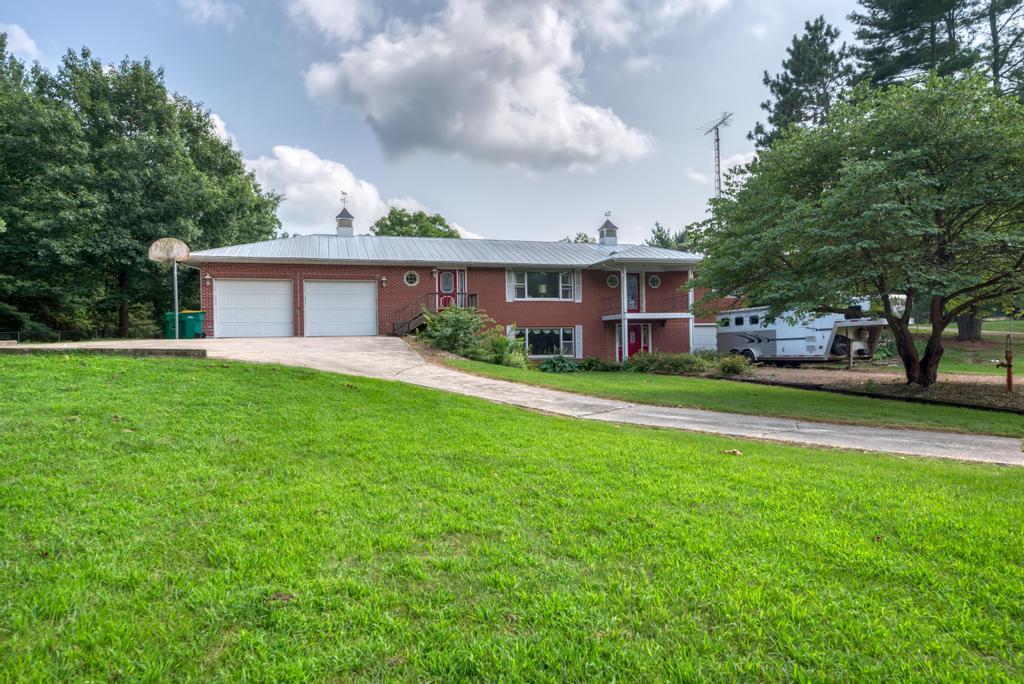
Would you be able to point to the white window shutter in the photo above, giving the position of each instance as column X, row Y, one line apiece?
column 509, row 330
column 510, row 285
column 577, row 337
column 577, row 285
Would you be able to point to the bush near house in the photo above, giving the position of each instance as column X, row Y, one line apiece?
column 733, row 364
column 471, row 333
column 669, row 364
column 559, row 364
column 593, row 363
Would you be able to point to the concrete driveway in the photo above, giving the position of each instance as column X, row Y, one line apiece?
column 390, row 358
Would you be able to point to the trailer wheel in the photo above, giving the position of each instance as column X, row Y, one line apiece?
column 750, row 356
column 841, row 346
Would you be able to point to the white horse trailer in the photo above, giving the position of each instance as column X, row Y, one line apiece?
column 833, row 337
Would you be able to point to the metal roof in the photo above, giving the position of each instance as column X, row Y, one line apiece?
column 436, row 251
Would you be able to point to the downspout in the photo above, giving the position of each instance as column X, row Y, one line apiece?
column 623, row 285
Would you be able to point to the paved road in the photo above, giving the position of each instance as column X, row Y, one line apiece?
column 391, row 358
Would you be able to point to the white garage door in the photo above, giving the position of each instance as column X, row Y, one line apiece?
column 340, row 308
column 705, row 337
column 252, row 308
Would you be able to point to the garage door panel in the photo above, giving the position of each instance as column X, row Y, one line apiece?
column 705, row 337
column 340, row 308
column 253, row 308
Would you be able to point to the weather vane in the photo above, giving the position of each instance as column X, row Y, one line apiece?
column 344, row 198
column 607, row 214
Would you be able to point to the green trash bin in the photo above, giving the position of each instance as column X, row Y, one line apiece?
column 190, row 325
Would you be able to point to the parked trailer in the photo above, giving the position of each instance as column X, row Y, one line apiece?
column 833, row 337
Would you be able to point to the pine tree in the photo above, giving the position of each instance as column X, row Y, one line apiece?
column 813, row 76
column 901, row 39
column 1001, row 27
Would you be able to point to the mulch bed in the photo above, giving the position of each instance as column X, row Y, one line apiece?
column 975, row 391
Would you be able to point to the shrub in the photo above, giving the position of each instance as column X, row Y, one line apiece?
column 495, row 346
column 886, row 348
column 456, row 330
column 733, row 364
column 559, row 364
column 595, row 364
column 669, row 364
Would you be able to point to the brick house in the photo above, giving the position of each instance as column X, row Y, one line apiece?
column 562, row 298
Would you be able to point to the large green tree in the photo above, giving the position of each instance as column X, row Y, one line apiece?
column 661, row 236
column 915, row 190
column 101, row 160
column 400, row 222
column 903, row 39
column 47, row 205
column 814, row 74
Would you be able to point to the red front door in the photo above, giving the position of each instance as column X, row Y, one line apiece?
column 447, row 288
column 639, row 339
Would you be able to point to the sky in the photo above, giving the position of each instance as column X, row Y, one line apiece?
column 515, row 119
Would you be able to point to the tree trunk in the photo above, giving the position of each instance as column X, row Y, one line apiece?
column 919, row 369
column 997, row 62
column 929, row 372
column 122, row 308
column 968, row 327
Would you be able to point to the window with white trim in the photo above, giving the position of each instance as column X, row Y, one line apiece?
column 547, row 341
column 545, row 285
column 412, row 278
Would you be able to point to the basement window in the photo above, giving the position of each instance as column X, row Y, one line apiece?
column 547, row 341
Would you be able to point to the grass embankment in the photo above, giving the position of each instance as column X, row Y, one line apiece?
column 762, row 400
column 176, row 519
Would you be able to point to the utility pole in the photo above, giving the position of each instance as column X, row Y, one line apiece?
column 724, row 120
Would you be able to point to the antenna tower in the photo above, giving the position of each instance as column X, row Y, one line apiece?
column 724, row 120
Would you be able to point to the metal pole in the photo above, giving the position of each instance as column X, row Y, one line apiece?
column 718, row 165
column 625, row 318
column 1009, row 359
column 174, row 268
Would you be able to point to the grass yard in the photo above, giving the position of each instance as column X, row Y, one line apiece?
column 187, row 519
column 737, row 397
column 973, row 357
column 989, row 326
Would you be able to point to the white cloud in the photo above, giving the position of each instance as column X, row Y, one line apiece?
column 740, row 159
column 19, row 43
column 610, row 21
column 312, row 188
column 338, row 19
column 492, row 82
column 697, row 176
column 218, row 12
column 768, row 19
column 220, row 129
column 674, row 9
column 642, row 64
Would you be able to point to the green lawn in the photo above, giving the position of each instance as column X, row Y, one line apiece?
column 978, row 357
column 987, row 327
column 974, row 357
column 186, row 519
column 740, row 397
